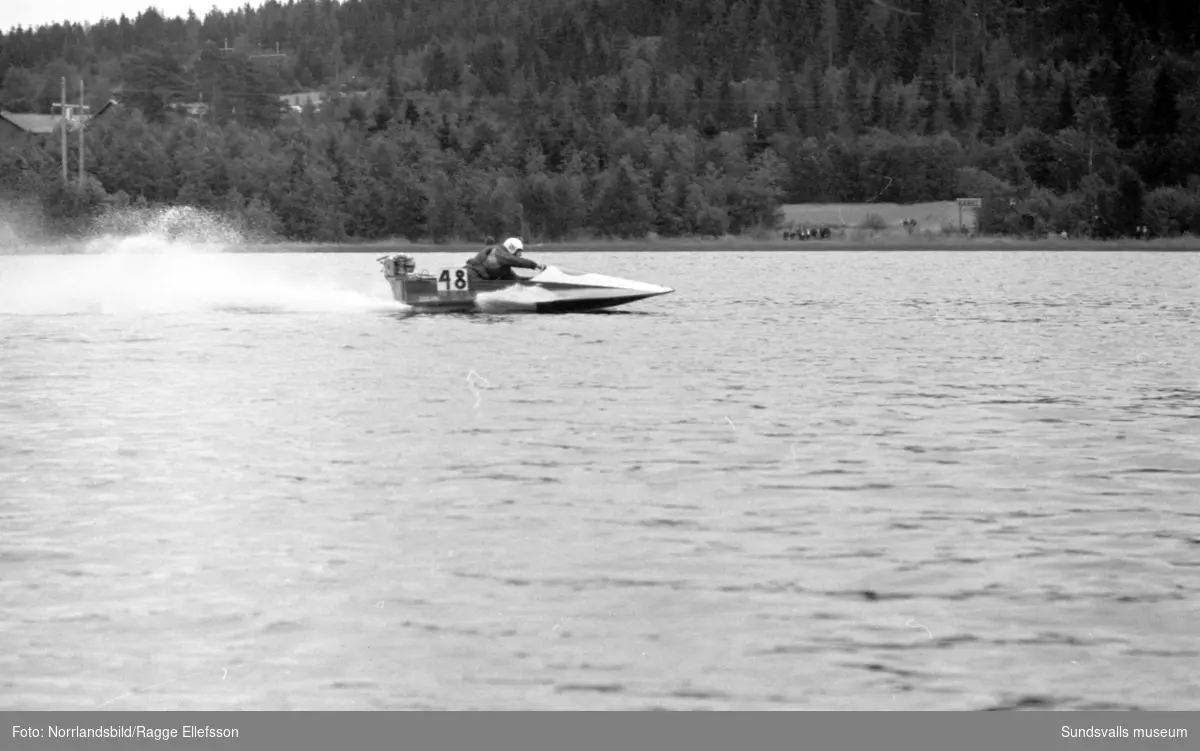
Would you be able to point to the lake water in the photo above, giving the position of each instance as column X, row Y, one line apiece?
column 803, row 481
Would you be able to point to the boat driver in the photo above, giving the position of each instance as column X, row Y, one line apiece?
column 496, row 262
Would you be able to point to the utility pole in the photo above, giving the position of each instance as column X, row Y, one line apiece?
column 82, row 109
column 65, row 109
column 954, row 49
column 212, row 105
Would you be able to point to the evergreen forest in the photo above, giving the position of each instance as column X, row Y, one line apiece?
column 559, row 119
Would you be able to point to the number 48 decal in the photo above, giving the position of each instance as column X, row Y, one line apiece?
column 453, row 280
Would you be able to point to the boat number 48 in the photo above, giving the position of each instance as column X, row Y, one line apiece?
column 453, row 280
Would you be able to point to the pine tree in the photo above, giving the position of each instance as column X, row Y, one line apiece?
column 955, row 109
column 854, row 109
column 1162, row 120
column 906, row 55
column 1121, row 106
column 797, row 103
column 870, row 46
column 1159, row 167
column 654, row 106
column 817, row 120
column 1066, row 107
column 829, row 33
column 726, row 116
column 878, row 117
column 1027, row 102
column 623, row 104
column 992, row 124
column 931, row 91
column 622, row 209
column 411, row 115
column 780, row 108
column 395, row 95
column 1130, row 202
column 700, row 98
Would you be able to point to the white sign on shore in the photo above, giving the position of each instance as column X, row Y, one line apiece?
column 967, row 203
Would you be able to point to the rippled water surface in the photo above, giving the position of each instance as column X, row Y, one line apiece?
column 804, row 481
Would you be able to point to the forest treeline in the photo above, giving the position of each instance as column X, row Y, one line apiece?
column 560, row 118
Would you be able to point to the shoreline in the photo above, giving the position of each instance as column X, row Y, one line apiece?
column 693, row 245
column 849, row 221
column 733, row 245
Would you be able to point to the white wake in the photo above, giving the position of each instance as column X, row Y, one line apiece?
column 168, row 261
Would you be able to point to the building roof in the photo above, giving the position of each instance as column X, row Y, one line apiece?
column 107, row 105
column 32, row 122
column 299, row 100
column 196, row 109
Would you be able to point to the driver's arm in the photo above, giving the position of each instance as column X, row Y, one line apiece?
column 508, row 259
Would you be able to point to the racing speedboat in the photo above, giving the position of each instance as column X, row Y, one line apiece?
column 551, row 290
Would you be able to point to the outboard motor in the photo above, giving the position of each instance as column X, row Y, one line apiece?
column 398, row 265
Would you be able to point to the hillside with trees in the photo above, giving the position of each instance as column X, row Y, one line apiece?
column 567, row 118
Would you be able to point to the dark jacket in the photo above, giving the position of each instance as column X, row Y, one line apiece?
column 495, row 262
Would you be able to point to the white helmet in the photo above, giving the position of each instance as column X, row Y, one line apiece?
column 513, row 245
